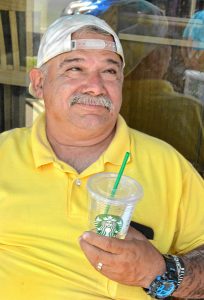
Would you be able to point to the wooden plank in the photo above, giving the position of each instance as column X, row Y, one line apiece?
column 17, row 5
column 193, row 7
column 18, row 107
column 29, row 28
column 2, row 45
column 155, row 19
column 14, row 39
column 22, row 107
column 7, row 106
column 1, row 106
column 159, row 40
column 14, row 77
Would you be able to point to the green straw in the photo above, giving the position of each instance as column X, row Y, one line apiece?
column 120, row 173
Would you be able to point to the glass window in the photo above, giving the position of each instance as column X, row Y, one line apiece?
column 163, row 41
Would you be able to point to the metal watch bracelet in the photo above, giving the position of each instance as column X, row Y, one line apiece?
column 180, row 268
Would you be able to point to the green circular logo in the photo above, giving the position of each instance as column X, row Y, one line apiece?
column 108, row 225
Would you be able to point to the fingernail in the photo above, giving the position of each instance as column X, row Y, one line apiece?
column 85, row 235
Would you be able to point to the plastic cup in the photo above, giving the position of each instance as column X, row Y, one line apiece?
column 111, row 216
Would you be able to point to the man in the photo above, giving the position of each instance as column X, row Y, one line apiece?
column 153, row 106
column 44, row 205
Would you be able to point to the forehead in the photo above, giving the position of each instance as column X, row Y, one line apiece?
column 88, row 56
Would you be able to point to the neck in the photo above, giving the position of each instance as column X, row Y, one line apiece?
column 79, row 153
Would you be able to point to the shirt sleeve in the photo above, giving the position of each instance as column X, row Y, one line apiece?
column 190, row 225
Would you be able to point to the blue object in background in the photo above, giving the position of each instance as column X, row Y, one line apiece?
column 98, row 7
column 195, row 29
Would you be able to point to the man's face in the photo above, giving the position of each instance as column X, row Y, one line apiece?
column 92, row 76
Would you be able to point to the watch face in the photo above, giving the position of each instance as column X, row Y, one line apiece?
column 165, row 289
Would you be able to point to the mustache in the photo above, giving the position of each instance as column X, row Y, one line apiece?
column 91, row 100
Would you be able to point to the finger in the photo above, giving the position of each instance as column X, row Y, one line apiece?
column 111, row 265
column 95, row 254
column 135, row 234
column 112, row 245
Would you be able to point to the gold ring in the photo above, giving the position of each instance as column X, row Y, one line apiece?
column 99, row 266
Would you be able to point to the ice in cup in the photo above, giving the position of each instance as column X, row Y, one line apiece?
column 111, row 215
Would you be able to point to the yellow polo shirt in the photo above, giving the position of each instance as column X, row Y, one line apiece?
column 44, row 210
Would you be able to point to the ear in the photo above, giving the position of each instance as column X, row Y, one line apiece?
column 122, row 77
column 36, row 78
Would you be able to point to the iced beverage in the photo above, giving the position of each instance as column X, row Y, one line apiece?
column 111, row 215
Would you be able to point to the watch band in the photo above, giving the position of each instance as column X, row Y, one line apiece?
column 173, row 261
column 166, row 284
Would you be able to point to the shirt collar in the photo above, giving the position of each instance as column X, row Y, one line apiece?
column 42, row 150
column 119, row 145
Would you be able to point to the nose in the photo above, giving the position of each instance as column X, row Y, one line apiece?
column 93, row 85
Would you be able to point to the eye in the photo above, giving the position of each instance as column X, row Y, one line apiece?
column 74, row 69
column 111, row 71
column 111, row 74
column 73, row 72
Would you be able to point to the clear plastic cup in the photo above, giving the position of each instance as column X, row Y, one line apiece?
column 111, row 216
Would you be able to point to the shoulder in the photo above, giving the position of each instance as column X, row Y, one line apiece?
column 157, row 152
column 147, row 140
column 17, row 136
column 159, row 164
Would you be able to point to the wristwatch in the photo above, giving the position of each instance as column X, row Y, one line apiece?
column 166, row 284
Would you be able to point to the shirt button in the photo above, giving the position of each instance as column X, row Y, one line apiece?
column 78, row 182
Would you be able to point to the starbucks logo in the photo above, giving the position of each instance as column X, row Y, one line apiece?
column 108, row 225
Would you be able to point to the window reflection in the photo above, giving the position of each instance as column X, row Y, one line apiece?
column 155, row 98
column 164, row 75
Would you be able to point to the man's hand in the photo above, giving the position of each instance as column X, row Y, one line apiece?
column 132, row 261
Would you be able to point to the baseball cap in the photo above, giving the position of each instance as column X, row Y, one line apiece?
column 58, row 37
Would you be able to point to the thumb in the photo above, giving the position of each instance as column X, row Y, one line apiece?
column 112, row 245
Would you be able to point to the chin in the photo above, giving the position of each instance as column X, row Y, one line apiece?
column 95, row 122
